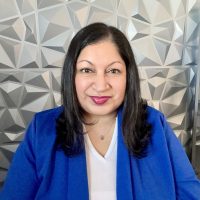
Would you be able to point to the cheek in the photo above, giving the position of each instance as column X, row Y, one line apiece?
column 78, row 86
column 81, row 86
column 120, row 87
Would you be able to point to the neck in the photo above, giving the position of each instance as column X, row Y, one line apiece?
column 100, row 127
column 101, row 132
column 96, row 120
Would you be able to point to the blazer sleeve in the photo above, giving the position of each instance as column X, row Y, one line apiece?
column 186, row 182
column 21, row 180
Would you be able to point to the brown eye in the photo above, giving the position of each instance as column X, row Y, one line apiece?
column 114, row 71
column 86, row 70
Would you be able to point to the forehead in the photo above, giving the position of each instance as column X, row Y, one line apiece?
column 104, row 49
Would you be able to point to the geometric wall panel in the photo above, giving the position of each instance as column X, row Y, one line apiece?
column 109, row 5
column 193, row 50
column 29, row 57
column 78, row 13
column 170, row 90
column 47, row 3
column 97, row 14
column 31, row 29
column 8, row 9
column 53, row 22
column 34, row 38
column 26, row 6
column 22, row 94
column 12, row 28
column 9, row 51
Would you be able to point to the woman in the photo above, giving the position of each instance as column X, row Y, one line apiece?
column 104, row 142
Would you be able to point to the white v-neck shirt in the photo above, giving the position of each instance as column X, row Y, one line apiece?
column 101, row 171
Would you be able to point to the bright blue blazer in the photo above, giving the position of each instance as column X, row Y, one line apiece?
column 39, row 171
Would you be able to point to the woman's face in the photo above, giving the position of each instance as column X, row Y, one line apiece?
column 100, row 79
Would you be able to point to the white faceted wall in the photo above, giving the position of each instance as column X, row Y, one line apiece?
column 34, row 37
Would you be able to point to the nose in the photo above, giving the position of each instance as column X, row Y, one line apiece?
column 100, row 83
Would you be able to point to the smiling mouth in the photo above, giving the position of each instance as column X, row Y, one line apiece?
column 100, row 100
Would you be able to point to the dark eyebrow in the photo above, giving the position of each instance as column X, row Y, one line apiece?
column 85, row 61
column 93, row 64
column 114, row 63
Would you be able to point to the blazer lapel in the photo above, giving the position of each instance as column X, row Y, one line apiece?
column 77, row 178
column 124, row 178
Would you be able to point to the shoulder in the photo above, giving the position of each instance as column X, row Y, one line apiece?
column 155, row 115
column 44, row 122
column 153, row 111
column 159, row 125
column 50, row 113
column 41, row 131
column 162, row 135
column 47, row 116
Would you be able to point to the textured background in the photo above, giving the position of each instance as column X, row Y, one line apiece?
column 34, row 37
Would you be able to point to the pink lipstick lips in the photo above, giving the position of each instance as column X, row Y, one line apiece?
column 100, row 100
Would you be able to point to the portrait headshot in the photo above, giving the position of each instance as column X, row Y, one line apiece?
column 101, row 101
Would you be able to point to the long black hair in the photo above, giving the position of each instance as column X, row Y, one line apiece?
column 136, row 130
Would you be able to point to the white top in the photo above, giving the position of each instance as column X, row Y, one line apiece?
column 101, row 171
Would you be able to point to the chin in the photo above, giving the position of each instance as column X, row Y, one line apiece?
column 102, row 111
